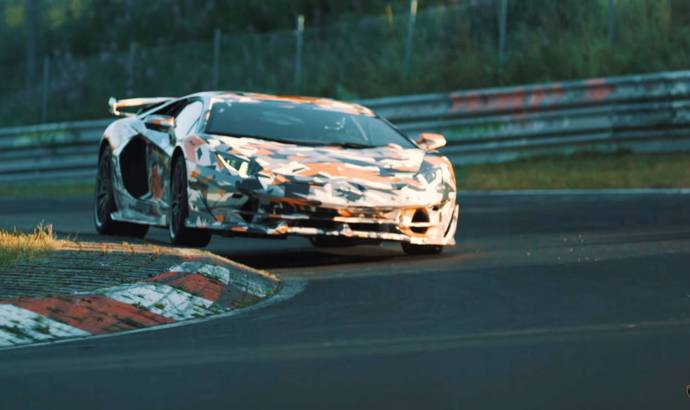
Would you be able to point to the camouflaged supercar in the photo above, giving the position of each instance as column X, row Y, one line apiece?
column 254, row 164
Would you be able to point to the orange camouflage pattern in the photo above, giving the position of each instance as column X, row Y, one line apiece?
column 242, row 185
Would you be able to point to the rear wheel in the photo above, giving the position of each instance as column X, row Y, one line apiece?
column 179, row 233
column 412, row 249
column 104, row 204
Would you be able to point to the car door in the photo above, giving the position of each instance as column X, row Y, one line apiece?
column 187, row 116
column 159, row 147
column 187, row 119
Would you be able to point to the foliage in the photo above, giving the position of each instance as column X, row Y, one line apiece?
column 352, row 49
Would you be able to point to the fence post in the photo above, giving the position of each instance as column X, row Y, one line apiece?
column 31, row 43
column 299, row 34
column 612, row 21
column 216, row 59
column 502, row 22
column 410, row 38
column 130, row 69
column 46, row 85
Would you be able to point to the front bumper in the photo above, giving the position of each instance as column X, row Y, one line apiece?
column 230, row 205
column 434, row 225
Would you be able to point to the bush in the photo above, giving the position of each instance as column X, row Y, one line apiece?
column 359, row 56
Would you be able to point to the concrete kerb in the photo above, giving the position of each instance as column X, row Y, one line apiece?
column 197, row 286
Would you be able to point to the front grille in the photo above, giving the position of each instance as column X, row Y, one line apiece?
column 313, row 212
column 326, row 225
column 323, row 218
column 370, row 227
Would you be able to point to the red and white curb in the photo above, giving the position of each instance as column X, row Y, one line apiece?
column 190, row 290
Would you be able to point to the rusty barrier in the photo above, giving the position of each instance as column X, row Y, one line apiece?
column 642, row 113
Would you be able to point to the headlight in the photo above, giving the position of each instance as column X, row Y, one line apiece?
column 235, row 165
column 430, row 175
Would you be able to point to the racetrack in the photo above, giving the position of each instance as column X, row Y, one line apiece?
column 558, row 301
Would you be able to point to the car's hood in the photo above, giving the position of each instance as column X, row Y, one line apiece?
column 331, row 175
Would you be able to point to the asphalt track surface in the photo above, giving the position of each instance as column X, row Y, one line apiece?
column 568, row 302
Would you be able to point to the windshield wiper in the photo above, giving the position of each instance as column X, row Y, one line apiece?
column 353, row 145
column 349, row 145
column 259, row 137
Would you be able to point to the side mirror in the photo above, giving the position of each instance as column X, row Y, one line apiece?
column 160, row 123
column 430, row 141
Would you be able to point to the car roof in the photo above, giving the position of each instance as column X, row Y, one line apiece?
column 315, row 102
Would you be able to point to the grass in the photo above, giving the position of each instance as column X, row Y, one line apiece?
column 581, row 171
column 17, row 246
column 60, row 190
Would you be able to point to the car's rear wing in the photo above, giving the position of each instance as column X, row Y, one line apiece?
column 137, row 104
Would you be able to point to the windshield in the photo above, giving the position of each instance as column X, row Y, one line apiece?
column 301, row 124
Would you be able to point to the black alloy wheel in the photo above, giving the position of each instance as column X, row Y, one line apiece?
column 104, row 203
column 179, row 233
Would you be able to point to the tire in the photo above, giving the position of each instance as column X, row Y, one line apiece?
column 412, row 249
column 104, row 203
column 180, row 234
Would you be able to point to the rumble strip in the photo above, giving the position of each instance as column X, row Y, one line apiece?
column 189, row 290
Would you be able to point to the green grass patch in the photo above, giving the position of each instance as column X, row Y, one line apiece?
column 581, row 171
column 59, row 190
column 17, row 246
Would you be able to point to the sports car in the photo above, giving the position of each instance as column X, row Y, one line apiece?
column 234, row 163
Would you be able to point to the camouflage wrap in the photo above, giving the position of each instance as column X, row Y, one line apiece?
column 271, row 188
column 267, row 188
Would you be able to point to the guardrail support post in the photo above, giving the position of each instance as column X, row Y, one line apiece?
column 215, row 78
column 299, row 35
column 31, row 34
column 410, row 38
column 46, row 86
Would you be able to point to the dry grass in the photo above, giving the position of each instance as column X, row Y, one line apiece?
column 587, row 170
column 17, row 246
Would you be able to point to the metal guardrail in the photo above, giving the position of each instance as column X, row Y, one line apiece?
column 645, row 113
column 45, row 152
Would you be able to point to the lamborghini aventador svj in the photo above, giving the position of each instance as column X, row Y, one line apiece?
column 236, row 163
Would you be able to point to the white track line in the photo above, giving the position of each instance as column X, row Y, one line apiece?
column 20, row 326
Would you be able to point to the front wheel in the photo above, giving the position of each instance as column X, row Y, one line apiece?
column 412, row 249
column 179, row 233
column 104, row 203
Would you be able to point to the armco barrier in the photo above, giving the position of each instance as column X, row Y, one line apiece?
column 65, row 151
column 645, row 113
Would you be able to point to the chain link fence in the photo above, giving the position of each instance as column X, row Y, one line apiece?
column 465, row 45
